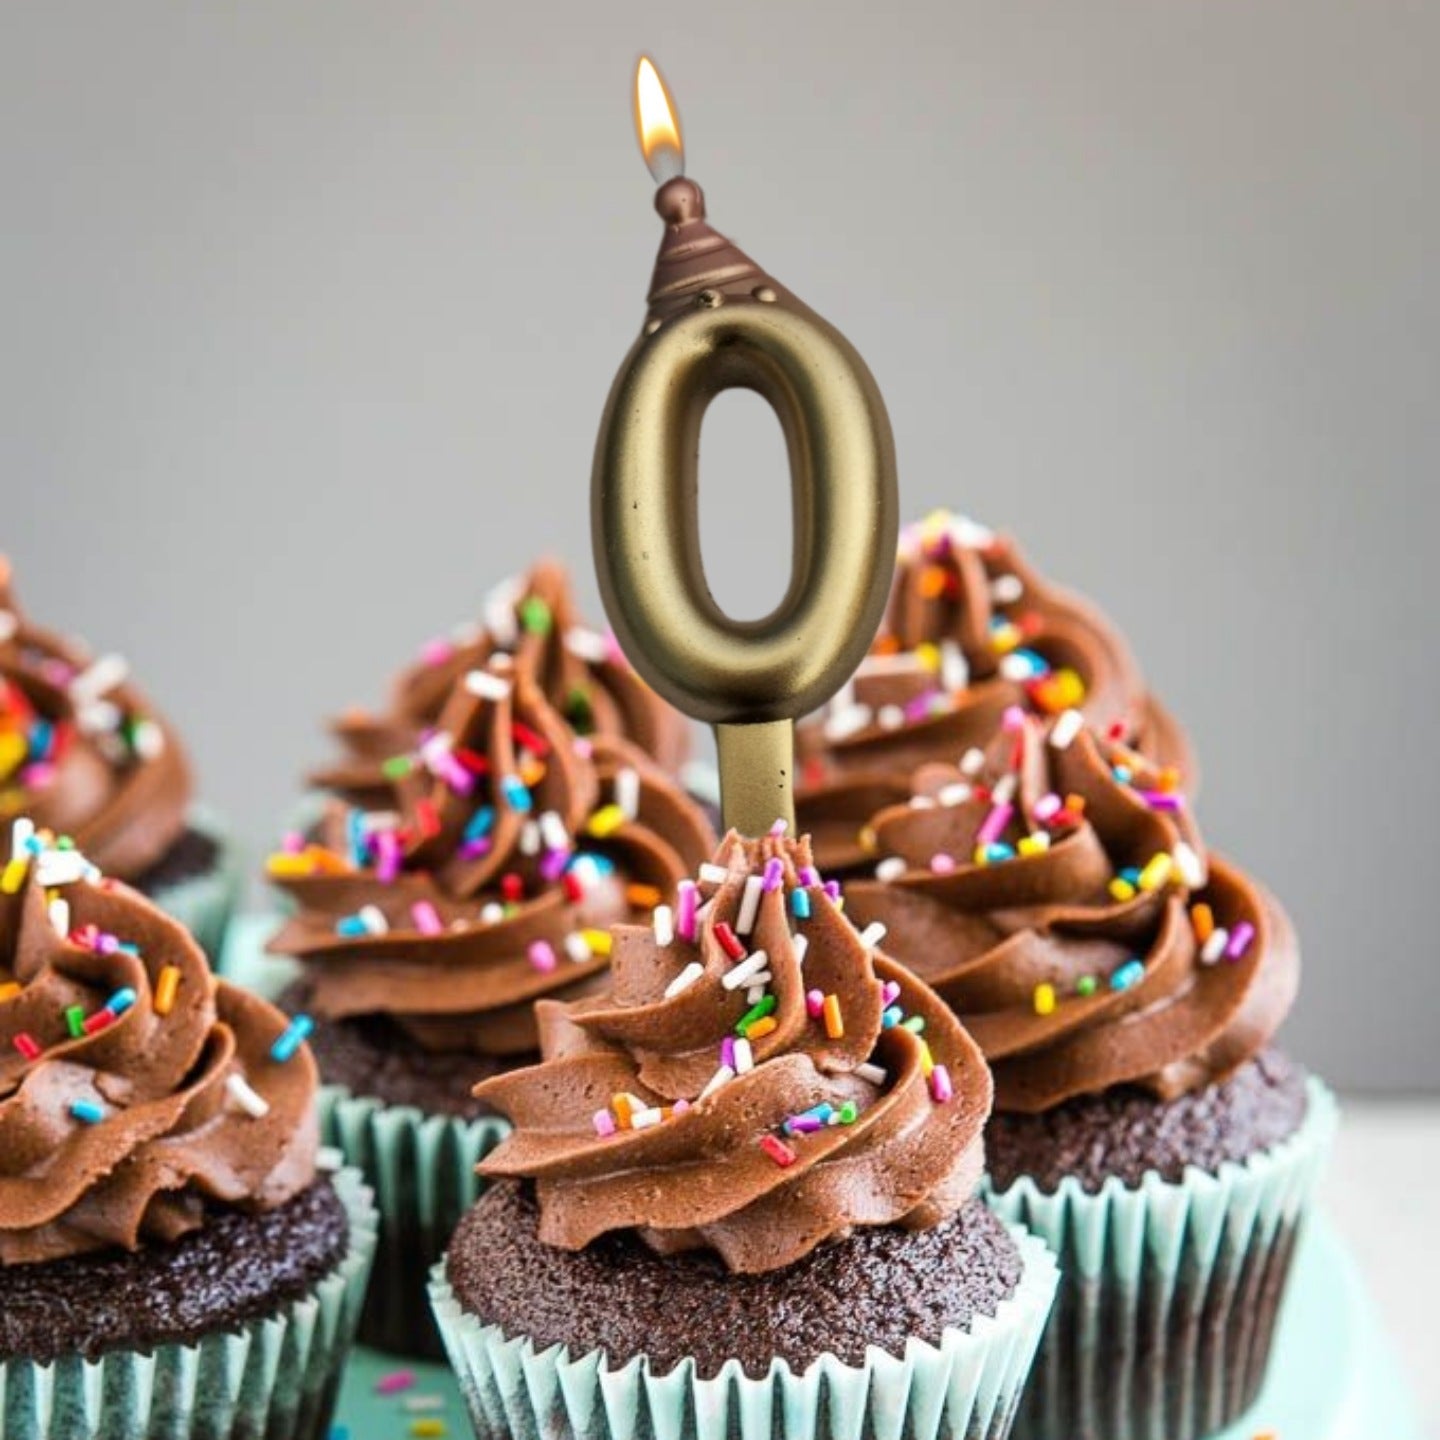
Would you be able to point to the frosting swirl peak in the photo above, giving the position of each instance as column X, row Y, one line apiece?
column 766, row 1079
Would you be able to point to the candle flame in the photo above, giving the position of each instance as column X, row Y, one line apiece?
column 657, row 124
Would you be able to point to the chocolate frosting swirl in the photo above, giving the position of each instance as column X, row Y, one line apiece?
column 126, row 1109
column 825, row 1127
column 1056, row 894
column 581, row 671
column 971, row 630
column 484, row 876
column 82, row 752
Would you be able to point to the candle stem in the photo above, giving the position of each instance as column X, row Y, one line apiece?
column 757, row 783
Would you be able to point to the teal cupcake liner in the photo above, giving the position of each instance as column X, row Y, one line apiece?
column 1170, row 1291
column 274, row 1379
column 966, row 1385
column 422, row 1170
column 203, row 904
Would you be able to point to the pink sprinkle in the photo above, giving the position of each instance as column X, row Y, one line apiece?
column 395, row 1382
column 889, row 993
column 1047, row 807
column 814, row 1004
column 387, row 868
column 583, row 748
column 1013, row 719
column 993, row 826
column 1240, row 938
column 605, row 1125
column 552, row 865
column 940, row 1086
column 542, row 955
column 293, row 843
column 436, row 652
column 780, row 827
column 727, row 1051
column 426, row 918
column 774, row 874
column 687, row 902
column 809, row 876
column 680, row 1107
column 476, row 848
column 454, row 774
column 804, row 1124
column 832, row 889
column 1170, row 800
column 942, row 864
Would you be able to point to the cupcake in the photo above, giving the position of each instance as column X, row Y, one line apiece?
column 738, row 1197
column 172, row 1259
column 580, row 671
column 1125, row 987
column 83, row 753
column 971, row 630
column 431, row 916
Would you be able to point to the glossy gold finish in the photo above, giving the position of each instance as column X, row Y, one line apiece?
column 752, row 679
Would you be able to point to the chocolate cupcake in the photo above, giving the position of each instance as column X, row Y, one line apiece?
column 739, row 1193
column 171, row 1259
column 1125, row 988
column 580, row 671
column 971, row 631
column 431, row 916
column 85, row 754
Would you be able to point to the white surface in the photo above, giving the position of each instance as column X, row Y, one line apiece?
column 1381, row 1194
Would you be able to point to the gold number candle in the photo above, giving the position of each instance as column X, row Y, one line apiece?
column 716, row 322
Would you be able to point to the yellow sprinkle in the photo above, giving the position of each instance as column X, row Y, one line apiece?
column 1005, row 638
column 428, row 1427
column 597, row 940
column 979, row 857
column 643, row 897
column 867, row 839
column 14, row 876
column 286, row 866
column 928, row 654
column 1122, row 889
column 927, row 1060
column 759, row 1029
column 13, row 750
column 1036, row 844
column 1062, row 690
column 9, row 990
column 834, row 1020
column 1157, row 872
column 166, row 986
column 605, row 821
column 1202, row 919
column 1045, row 999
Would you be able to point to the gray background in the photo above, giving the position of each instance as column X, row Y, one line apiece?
column 310, row 309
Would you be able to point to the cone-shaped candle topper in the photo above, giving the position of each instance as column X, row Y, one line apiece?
column 716, row 322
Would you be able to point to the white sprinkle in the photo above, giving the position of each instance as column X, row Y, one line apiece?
column 802, row 945
column 246, row 1097
column 486, row 685
column 891, row 868
column 872, row 934
column 971, row 534
column 740, row 974
column 713, row 874
column 372, row 822
column 1003, row 791
column 749, row 906
column 374, row 919
column 647, row 1118
column 1006, row 589
column 757, row 992
column 8, row 626
column 60, row 915
column 685, row 979
column 972, row 762
column 588, row 645
column 529, row 842
column 492, row 913
column 956, row 794
column 553, row 831
column 577, row 947
column 663, row 919
column 1189, row 864
column 954, row 667
column 1065, row 729
column 744, row 1057
column 21, row 833
column 148, row 740
column 99, row 717
column 921, row 802
column 60, row 867
column 99, row 679
column 423, row 1404
column 873, row 1073
column 841, row 724
column 627, row 791
column 891, row 717
column 1017, row 667
column 1214, row 947
column 723, row 1076
column 466, row 633
column 499, row 609
column 436, row 747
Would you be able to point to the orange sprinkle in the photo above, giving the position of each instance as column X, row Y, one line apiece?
column 932, row 582
column 9, row 990
column 1168, row 780
column 834, row 1020
column 166, row 987
column 1075, row 804
column 765, row 1025
column 643, row 897
column 887, row 645
column 1202, row 917
column 624, row 1107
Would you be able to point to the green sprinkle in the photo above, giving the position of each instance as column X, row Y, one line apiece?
column 397, row 767
column 578, row 710
column 756, row 1012
column 65, row 842
column 915, row 1024
column 1085, row 985
column 75, row 1020
column 535, row 615
column 848, row 1112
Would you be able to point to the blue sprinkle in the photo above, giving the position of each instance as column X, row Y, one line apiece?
column 292, row 1038
column 517, row 797
column 591, row 863
column 481, row 823
column 1121, row 773
column 88, row 1111
column 350, row 925
column 1131, row 874
column 800, row 904
column 1036, row 665
column 128, row 947
column 999, row 851
column 891, row 1017
column 1130, row 973
column 121, row 1000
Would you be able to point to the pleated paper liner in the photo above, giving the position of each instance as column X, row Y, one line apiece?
column 203, row 904
column 966, row 1385
column 1169, row 1293
column 422, row 1169
column 274, row 1379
